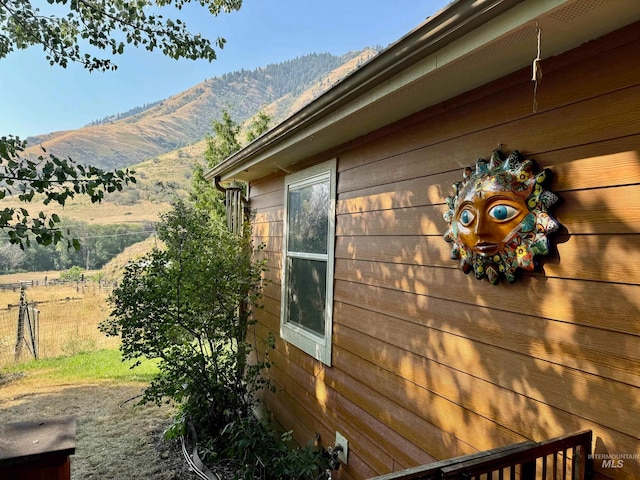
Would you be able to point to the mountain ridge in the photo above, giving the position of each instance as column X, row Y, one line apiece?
column 184, row 119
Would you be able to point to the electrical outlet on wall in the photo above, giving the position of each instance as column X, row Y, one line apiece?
column 343, row 454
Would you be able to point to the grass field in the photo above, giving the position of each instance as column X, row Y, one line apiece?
column 104, row 213
column 68, row 320
column 80, row 373
column 35, row 276
column 97, row 366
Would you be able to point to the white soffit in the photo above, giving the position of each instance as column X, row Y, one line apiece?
column 501, row 46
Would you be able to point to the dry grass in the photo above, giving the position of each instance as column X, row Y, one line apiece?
column 115, row 438
column 69, row 314
column 38, row 277
column 169, row 167
column 114, row 270
column 81, row 209
column 109, row 213
column 69, row 318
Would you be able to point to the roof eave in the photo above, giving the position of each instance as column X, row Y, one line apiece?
column 455, row 34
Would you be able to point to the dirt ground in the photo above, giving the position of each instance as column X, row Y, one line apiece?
column 115, row 438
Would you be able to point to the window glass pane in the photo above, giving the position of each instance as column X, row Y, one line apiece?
column 308, row 208
column 306, row 293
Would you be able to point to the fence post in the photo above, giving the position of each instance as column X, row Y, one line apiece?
column 29, row 317
column 20, row 326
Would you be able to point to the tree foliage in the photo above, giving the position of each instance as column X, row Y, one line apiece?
column 90, row 32
column 290, row 77
column 98, row 245
column 119, row 116
column 11, row 257
column 187, row 306
column 259, row 125
column 223, row 141
column 180, row 305
column 56, row 180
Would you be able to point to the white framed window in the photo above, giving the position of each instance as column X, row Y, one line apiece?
column 307, row 265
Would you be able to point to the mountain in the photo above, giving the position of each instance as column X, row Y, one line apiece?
column 126, row 139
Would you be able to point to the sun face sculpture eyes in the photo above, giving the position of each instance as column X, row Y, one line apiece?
column 498, row 217
column 503, row 213
column 466, row 217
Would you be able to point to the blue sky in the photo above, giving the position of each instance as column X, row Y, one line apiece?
column 38, row 98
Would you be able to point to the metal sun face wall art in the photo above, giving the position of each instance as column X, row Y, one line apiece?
column 498, row 217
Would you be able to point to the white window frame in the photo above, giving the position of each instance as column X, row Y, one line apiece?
column 313, row 344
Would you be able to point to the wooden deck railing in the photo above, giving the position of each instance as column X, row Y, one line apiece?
column 563, row 458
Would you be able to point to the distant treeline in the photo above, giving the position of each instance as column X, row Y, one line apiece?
column 120, row 116
column 289, row 76
column 100, row 243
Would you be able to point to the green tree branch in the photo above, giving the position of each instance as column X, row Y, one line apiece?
column 57, row 180
column 72, row 24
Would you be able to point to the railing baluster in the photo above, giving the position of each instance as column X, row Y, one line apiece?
column 580, row 454
column 521, row 460
column 528, row 471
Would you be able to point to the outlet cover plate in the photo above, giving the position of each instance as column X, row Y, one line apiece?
column 344, row 454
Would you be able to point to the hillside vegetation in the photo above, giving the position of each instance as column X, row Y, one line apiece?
column 125, row 139
column 162, row 141
column 164, row 172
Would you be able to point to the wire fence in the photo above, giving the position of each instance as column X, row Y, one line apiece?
column 54, row 321
column 80, row 285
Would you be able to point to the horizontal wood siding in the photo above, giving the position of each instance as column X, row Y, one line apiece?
column 430, row 363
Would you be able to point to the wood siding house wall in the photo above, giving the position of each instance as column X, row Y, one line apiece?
column 429, row 363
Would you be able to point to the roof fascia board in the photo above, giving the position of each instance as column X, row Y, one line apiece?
column 442, row 28
column 448, row 36
column 452, row 52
